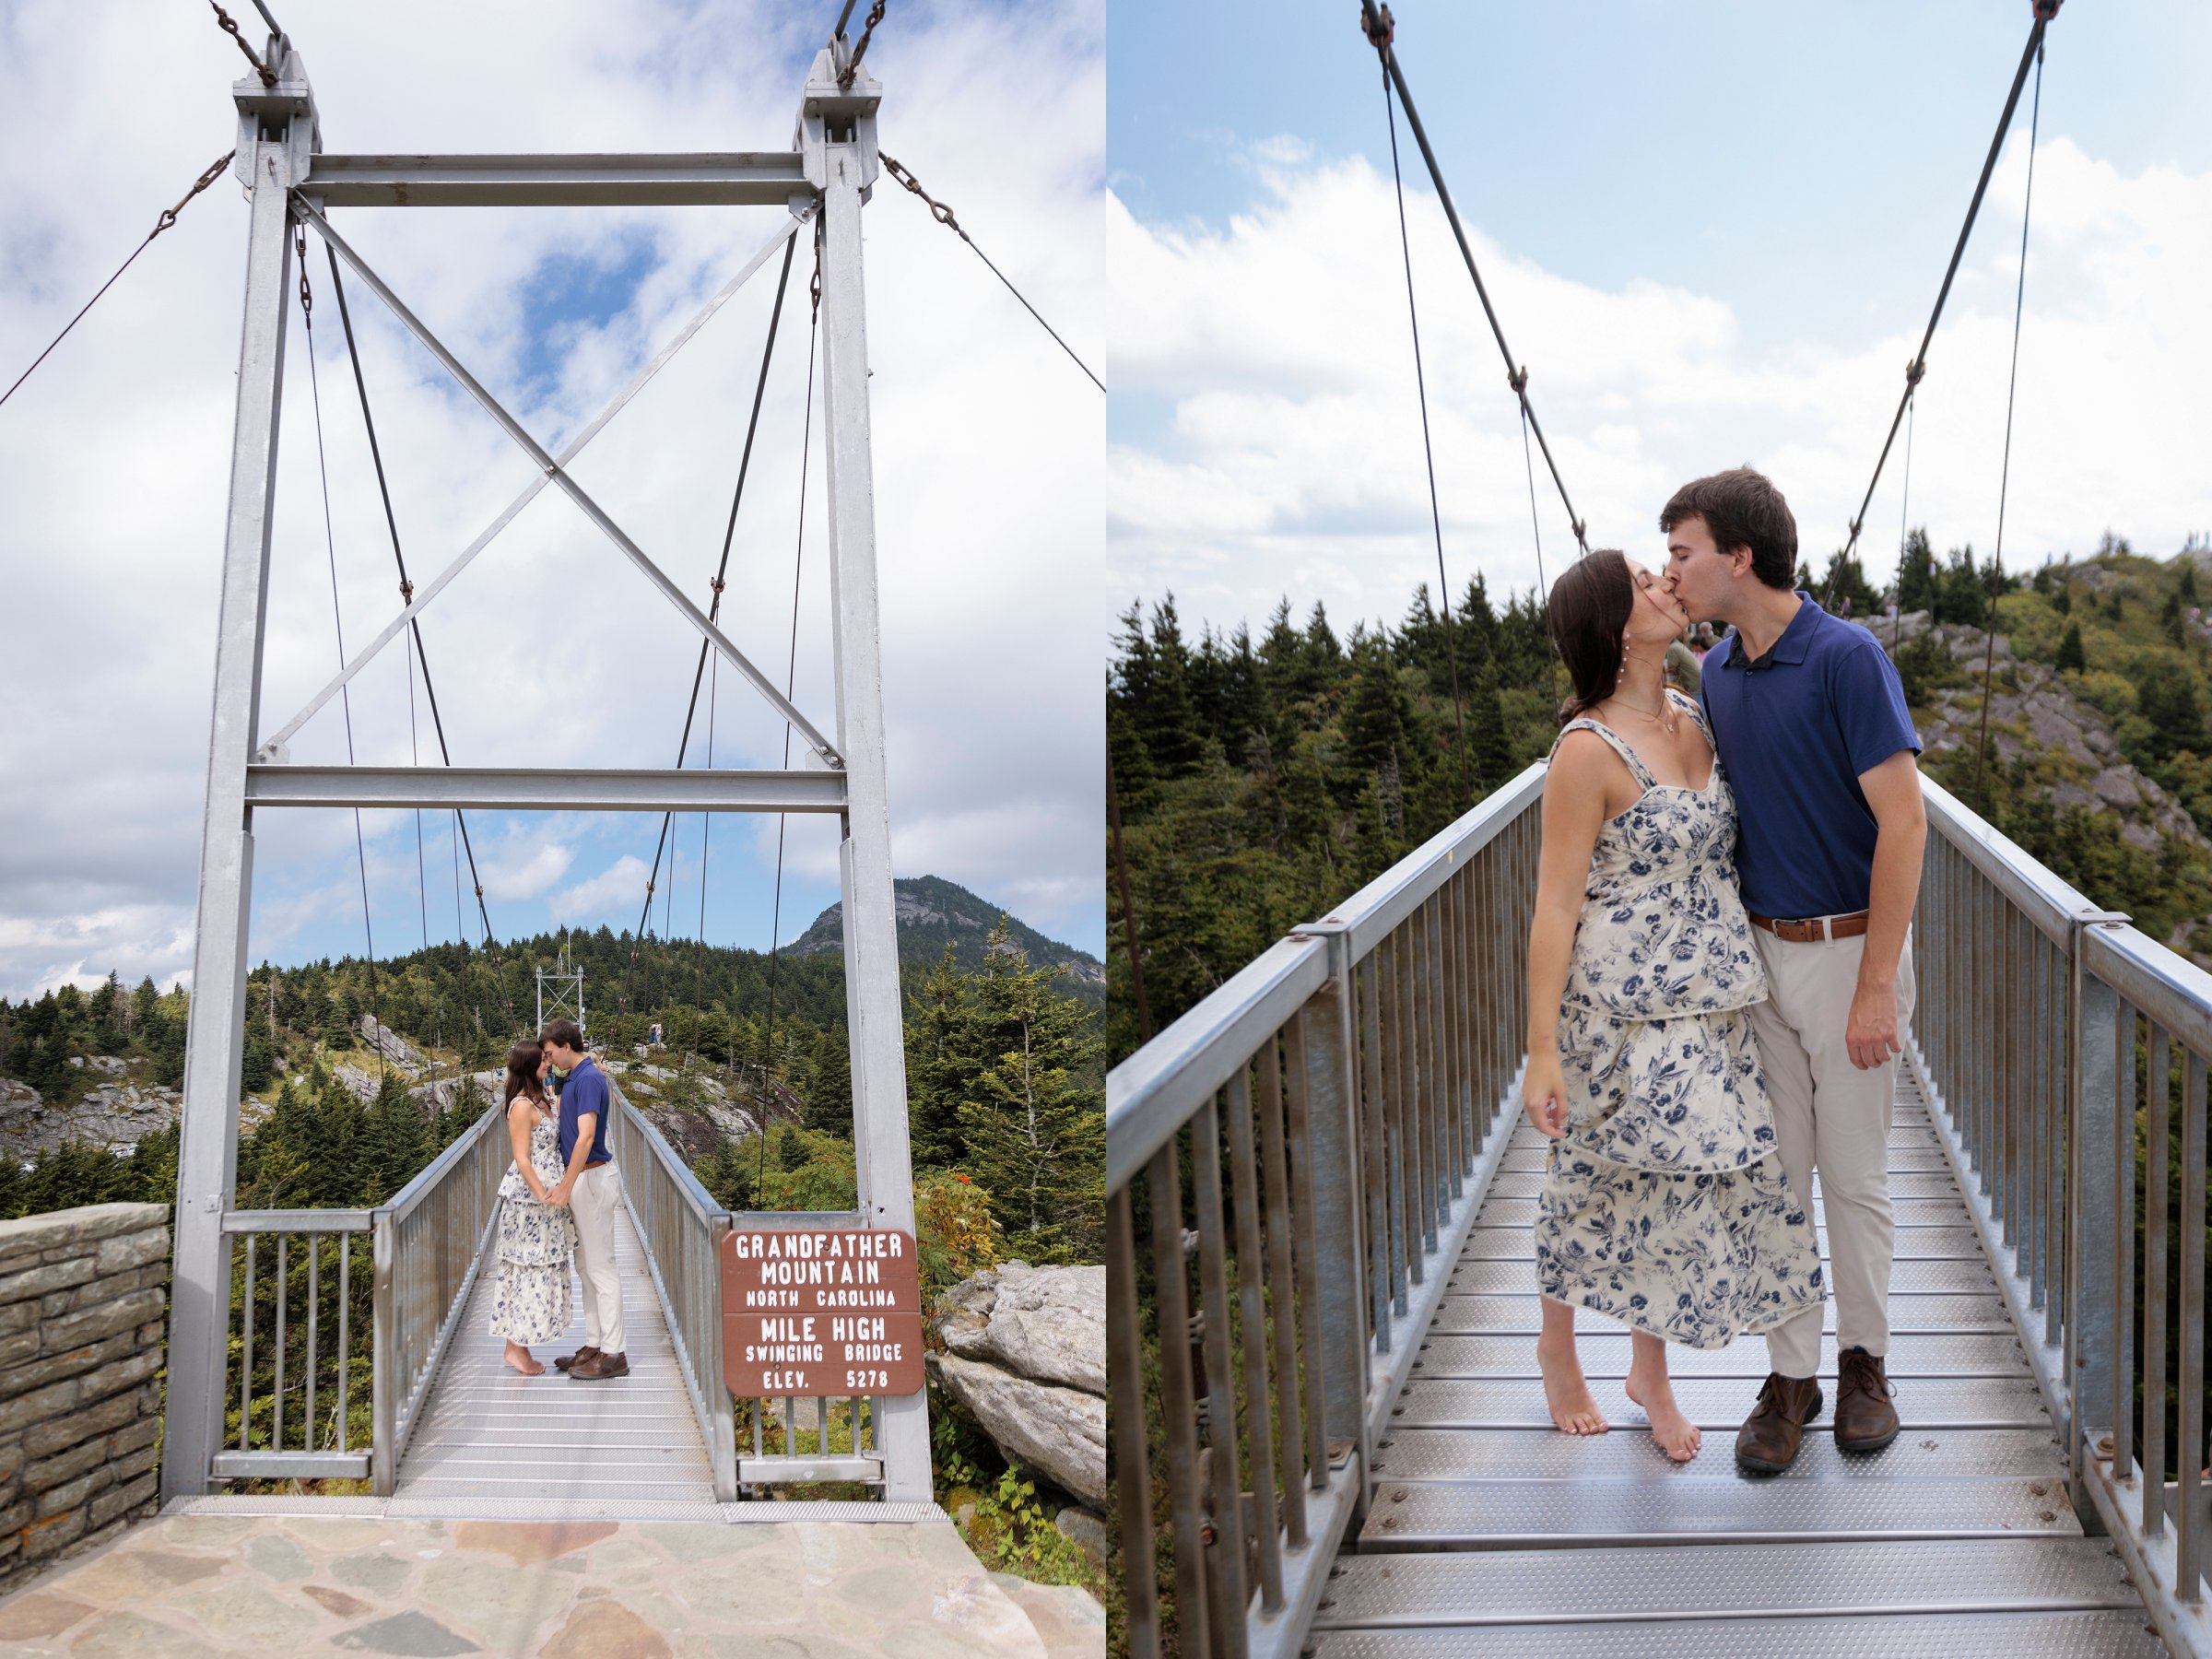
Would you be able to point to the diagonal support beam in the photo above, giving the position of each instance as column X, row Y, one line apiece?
column 573, row 491
column 275, row 746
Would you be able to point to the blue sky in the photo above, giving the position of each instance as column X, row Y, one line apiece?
column 1798, row 173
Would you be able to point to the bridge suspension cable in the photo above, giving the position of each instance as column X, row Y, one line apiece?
column 337, row 621
column 406, row 595
column 167, row 219
column 942, row 212
column 2020, row 294
column 791, row 671
column 1436, row 518
column 2031, row 56
column 768, row 350
column 1381, row 30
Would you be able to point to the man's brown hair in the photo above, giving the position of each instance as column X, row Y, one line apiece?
column 1742, row 509
column 562, row 1033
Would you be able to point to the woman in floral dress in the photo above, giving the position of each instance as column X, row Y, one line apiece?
column 1662, row 1204
column 530, row 1301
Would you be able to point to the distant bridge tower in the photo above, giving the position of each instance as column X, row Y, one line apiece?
column 821, row 179
column 561, row 991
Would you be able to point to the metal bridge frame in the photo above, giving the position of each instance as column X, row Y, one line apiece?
column 826, row 176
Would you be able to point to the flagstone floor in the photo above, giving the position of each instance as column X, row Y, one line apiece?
column 191, row 1585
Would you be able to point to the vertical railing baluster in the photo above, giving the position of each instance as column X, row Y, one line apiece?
column 276, row 1391
column 1124, row 1360
column 1282, row 1293
column 308, row 1435
column 1394, row 1127
column 1453, row 1027
column 2059, row 1030
column 2189, row 1430
column 245, row 1368
column 2154, row 1285
column 1297, row 1099
column 344, row 1317
column 1223, row 1472
column 1178, row 1403
column 2122, row 1150
column 1418, row 927
column 1245, row 1178
column 1368, row 993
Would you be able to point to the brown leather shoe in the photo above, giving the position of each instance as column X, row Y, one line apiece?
column 1766, row 1443
column 577, row 1358
column 1866, row 1421
column 601, row 1366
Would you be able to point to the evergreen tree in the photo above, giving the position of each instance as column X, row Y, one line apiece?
column 2069, row 650
column 830, row 1084
column 1036, row 1127
column 1916, row 580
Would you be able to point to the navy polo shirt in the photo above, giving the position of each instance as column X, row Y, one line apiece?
column 1795, row 729
column 584, row 1091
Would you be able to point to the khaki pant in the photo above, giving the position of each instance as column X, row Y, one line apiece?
column 596, row 1197
column 1832, row 1116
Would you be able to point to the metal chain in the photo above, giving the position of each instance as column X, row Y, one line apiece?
column 229, row 24
column 168, row 217
column 942, row 212
column 867, row 29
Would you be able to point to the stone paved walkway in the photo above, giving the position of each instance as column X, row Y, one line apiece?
column 188, row 1585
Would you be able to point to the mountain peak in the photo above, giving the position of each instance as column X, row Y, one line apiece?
column 933, row 912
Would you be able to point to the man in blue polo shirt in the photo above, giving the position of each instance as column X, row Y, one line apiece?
column 1810, row 720
column 589, row 1186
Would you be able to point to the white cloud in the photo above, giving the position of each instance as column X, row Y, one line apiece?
column 611, row 892
column 114, row 457
column 1291, row 463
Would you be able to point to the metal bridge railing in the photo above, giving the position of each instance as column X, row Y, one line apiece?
column 2064, row 1048
column 300, row 1275
column 1253, row 1357
column 682, row 1229
column 306, row 1276
column 429, row 1243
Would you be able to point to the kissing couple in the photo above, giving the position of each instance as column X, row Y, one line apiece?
column 1720, row 975
column 558, row 1199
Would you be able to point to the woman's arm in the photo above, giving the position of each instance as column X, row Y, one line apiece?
column 517, row 1136
column 1576, row 794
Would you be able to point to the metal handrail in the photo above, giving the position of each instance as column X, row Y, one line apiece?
column 1379, row 1051
column 682, row 1228
column 428, row 1243
column 2045, row 1026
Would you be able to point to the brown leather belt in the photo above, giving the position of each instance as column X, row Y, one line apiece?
column 1813, row 930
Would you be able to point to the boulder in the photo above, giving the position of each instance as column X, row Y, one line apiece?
column 397, row 1050
column 1061, row 1432
column 1047, row 1324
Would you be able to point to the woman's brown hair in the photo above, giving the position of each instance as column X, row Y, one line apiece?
column 523, row 1061
column 1588, row 612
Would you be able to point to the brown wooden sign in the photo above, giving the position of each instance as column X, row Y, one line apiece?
column 821, row 1311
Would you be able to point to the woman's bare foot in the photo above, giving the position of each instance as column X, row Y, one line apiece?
column 1648, row 1385
column 519, row 1357
column 1566, row 1391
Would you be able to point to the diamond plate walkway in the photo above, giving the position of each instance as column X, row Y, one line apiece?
column 1489, row 1527
column 492, row 1442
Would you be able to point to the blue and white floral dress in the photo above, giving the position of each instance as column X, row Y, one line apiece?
column 530, row 1301
column 1664, row 1205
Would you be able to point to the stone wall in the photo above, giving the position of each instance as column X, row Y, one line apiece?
column 82, row 1316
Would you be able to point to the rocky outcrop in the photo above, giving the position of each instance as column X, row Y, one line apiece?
column 691, row 1110
column 1044, row 1322
column 1026, row 1358
column 395, row 1049
column 116, row 1114
column 2036, row 715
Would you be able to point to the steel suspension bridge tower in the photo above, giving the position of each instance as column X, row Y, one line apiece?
column 822, row 181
